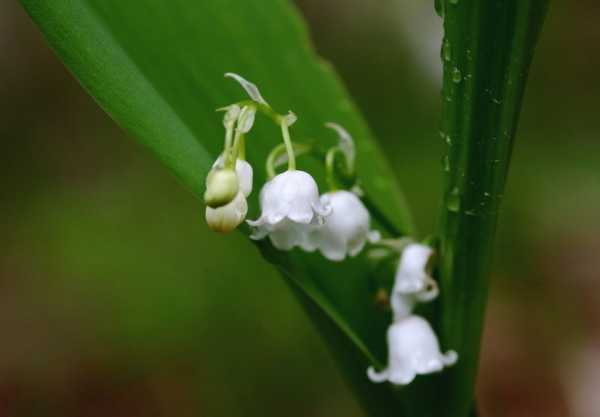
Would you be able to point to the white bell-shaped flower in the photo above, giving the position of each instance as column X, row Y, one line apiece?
column 412, row 283
column 226, row 218
column 244, row 172
column 289, row 203
column 413, row 349
column 346, row 230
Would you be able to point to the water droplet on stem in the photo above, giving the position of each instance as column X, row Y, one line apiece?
column 456, row 75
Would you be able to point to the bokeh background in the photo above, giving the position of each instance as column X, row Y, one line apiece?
column 115, row 299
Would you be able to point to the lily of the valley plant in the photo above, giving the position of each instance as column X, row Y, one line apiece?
column 294, row 214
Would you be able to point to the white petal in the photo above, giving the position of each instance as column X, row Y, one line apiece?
column 377, row 377
column 412, row 282
column 401, row 376
column 346, row 229
column 283, row 239
column 291, row 194
column 275, row 218
column 411, row 276
column 289, row 204
column 414, row 348
column 259, row 232
column 287, row 235
column 245, row 175
column 356, row 243
column 323, row 209
column 308, row 243
column 226, row 218
column 414, row 259
column 301, row 216
column 250, row 88
column 332, row 248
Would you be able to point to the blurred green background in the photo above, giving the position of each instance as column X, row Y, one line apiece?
column 115, row 299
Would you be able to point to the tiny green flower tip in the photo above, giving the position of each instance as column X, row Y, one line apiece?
column 232, row 112
column 290, row 118
column 246, row 119
column 346, row 143
column 250, row 88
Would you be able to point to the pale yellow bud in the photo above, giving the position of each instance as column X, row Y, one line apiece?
column 222, row 185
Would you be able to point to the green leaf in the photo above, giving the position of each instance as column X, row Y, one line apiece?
column 487, row 51
column 157, row 68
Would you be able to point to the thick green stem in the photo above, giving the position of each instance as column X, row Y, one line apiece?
column 487, row 51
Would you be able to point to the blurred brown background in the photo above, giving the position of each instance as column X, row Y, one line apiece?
column 109, row 307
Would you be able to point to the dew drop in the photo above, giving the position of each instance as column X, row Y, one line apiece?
column 453, row 200
column 456, row 75
column 449, row 140
column 455, row 2
column 446, row 51
column 446, row 163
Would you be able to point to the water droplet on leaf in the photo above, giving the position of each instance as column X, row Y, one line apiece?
column 456, row 75
column 453, row 200
column 446, row 51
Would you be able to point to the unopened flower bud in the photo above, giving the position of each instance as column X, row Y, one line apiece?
column 246, row 119
column 226, row 218
column 231, row 114
column 222, row 185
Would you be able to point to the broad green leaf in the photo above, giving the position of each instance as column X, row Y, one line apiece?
column 157, row 68
column 487, row 50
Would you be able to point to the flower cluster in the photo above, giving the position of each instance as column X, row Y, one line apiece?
column 294, row 214
column 413, row 348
